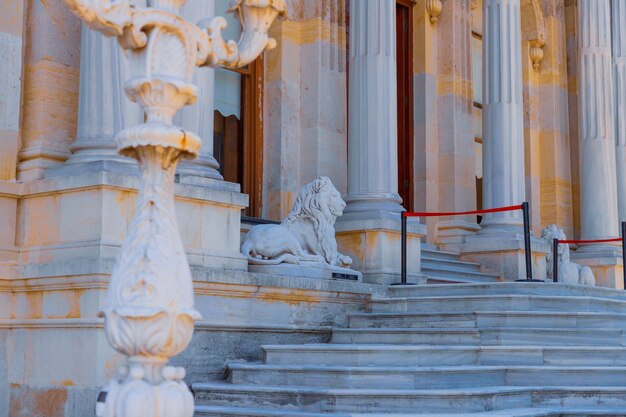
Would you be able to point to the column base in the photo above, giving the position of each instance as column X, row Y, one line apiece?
column 379, row 206
column 203, row 167
column 454, row 232
column 607, row 265
column 374, row 245
column 504, row 254
column 501, row 227
column 213, row 183
column 600, row 251
column 121, row 165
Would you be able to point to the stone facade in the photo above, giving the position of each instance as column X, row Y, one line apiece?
column 67, row 199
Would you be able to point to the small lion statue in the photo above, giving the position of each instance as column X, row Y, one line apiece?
column 569, row 272
column 306, row 235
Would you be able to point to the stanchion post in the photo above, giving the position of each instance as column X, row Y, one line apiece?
column 403, row 279
column 555, row 260
column 529, row 264
column 624, row 251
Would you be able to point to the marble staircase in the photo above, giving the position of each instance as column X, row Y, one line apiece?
column 441, row 267
column 488, row 349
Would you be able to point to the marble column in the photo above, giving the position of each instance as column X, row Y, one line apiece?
column 619, row 72
column 103, row 109
column 369, row 230
column 198, row 118
column 503, row 123
column 372, row 113
column 598, row 189
column 499, row 245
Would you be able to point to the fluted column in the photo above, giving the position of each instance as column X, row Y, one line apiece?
column 103, row 109
column 372, row 113
column 503, row 147
column 198, row 118
column 619, row 72
column 598, row 189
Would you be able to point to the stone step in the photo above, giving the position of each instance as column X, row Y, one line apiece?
column 517, row 336
column 372, row 401
column 462, row 303
column 505, row 288
column 484, row 319
column 441, row 355
column 613, row 398
column 218, row 411
column 441, row 255
column 451, row 274
column 439, row 279
column 437, row 377
column 457, row 265
column 329, row 400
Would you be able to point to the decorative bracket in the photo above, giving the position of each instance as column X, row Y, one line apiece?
column 434, row 9
column 536, row 52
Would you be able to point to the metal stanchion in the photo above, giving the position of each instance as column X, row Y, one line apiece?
column 555, row 260
column 527, row 247
column 403, row 254
column 624, row 251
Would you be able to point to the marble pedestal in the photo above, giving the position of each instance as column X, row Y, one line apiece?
column 374, row 246
column 75, row 224
column 504, row 254
column 607, row 265
column 315, row 270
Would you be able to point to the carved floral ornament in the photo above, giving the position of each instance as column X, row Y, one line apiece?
column 203, row 42
column 149, row 315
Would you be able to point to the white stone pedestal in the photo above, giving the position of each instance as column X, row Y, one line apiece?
column 505, row 255
column 76, row 224
column 607, row 265
column 315, row 270
column 374, row 246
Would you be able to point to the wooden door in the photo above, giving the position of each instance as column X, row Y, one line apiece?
column 404, row 45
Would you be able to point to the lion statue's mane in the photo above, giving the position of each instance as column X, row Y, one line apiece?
column 569, row 272
column 307, row 234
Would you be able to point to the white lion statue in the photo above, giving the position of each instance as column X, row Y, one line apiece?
column 569, row 272
column 306, row 235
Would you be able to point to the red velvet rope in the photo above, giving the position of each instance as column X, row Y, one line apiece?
column 617, row 239
column 459, row 213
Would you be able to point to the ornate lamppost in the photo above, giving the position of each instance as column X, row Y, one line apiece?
column 149, row 315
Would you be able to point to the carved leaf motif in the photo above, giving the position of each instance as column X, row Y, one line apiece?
column 105, row 16
column 152, row 264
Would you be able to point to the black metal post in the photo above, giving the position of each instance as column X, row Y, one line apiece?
column 555, row 260
column 624, row 251
column 403, row 279
column 529, row 260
